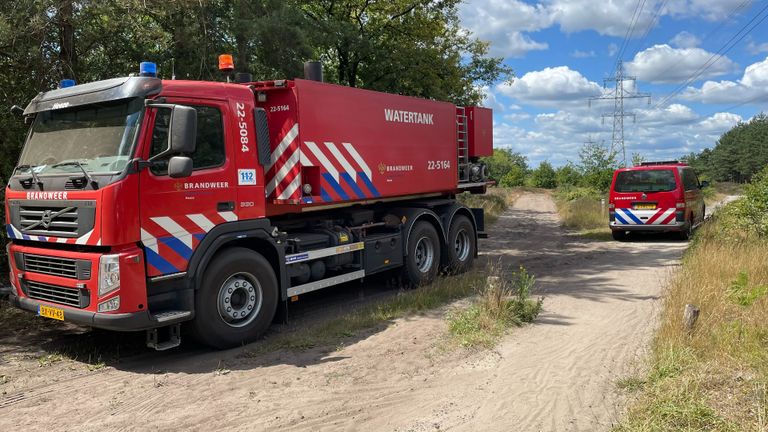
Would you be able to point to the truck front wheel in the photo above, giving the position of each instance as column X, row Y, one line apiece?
column 423, row 260
column 461, row 245
column 237, row 300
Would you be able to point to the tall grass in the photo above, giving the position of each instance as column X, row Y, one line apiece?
column 494, row 202
column 714, row 377
column 580, row 209
column 502, row 302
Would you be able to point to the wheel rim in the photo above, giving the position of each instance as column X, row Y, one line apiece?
column 462, row 245
column 425, row 254
column 239, row 300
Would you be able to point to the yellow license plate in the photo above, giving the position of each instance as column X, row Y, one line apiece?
column 51, row 312
column 645, row 206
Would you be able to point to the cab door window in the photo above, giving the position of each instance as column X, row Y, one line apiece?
column 690, row 182
column 209, row 148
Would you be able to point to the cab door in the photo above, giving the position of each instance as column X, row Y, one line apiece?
column 694, row 197
column 177, row 213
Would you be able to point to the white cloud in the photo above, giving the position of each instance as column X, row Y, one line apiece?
column 608, row 18
column 582, row 54
column 757, row 48
column 502, row 23
column 707, row 9
column 551, row 87
column 675, row 114
column 664, row 64
column 612, row 49
column 752, row 87
column 517, row 116
column 719, row 122
column 685, row 40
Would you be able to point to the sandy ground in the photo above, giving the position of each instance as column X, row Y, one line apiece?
column 558, row 374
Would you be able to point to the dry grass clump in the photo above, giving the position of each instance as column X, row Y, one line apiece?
column 502, row 303
column 494, row 202
column 713, row 377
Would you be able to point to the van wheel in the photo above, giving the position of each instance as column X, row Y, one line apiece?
column 423, row 260
column 687, row 231
column 237, row 300
column 461, row 245
column 620, row 235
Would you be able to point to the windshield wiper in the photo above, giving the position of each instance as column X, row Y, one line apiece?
column 34, row 177
column 94, row 183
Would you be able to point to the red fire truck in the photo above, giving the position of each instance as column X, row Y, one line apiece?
column 142, row 203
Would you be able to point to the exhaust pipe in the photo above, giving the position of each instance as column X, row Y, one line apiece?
column 313, row 70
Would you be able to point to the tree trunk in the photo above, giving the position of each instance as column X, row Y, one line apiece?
column 67, row 53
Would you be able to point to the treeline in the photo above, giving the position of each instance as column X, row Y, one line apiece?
column 407, row 47
column 738, row 155
column 594, row 170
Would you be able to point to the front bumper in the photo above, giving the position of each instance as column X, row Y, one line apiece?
column 131, row 321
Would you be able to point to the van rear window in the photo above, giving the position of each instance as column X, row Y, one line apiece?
column 645, row 181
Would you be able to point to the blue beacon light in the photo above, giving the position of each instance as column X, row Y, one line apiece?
column 148, row 69
column 67, row 83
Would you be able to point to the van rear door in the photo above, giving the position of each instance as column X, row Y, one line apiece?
column 646, row 196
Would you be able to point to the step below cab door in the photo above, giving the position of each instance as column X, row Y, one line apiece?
column 177, row 213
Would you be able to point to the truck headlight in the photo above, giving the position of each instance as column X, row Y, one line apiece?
column 109, row 274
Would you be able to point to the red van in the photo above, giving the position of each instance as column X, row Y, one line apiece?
column 655, row 197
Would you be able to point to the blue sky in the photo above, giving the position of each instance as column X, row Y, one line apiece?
column 561, row 51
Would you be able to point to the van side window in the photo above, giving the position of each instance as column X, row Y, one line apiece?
column 209, row 146
column 690, row 182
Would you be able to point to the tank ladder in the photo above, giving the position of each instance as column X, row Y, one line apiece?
column 463, row 144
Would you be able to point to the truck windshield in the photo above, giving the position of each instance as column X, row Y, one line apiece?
column 645, row 181
column 99, row 136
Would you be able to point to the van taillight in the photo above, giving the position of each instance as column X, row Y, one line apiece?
column 680, row 205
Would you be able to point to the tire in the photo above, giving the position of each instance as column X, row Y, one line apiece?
column 225, row 315
column 687, row 231
column 462, row 245
column 423, row 260
column 620, row 235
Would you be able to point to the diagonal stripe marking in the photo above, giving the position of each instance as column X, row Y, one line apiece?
column 342, row 160
column 174, row 229
column 280, row 149
column 282, row 172
column 629, row 214
column 323, row 160
column 203, row 222
column 360, row 161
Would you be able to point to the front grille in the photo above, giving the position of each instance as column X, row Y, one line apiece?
column 57, row 294
column 56, row 221
column 65, row 218
column 63, row 267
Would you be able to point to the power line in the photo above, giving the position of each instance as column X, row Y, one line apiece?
column 736, row 9
column 633, row 22
column 716, row 56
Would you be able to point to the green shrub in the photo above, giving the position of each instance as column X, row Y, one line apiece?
column 752, row 210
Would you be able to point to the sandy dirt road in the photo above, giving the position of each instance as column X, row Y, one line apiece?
column 558, row 374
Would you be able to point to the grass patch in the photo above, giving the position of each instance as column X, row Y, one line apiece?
column 441, row 292
column 501, row 304
column 494, row 202
column 581, row 210
column 714, row 377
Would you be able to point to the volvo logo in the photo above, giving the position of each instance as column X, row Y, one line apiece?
column 46, row 220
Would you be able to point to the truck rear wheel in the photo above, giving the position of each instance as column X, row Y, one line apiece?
column 461, row 245
column 237, row 300
column 423, row 260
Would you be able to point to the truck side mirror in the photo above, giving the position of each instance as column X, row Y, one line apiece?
column 180, row 166
column 183, row 129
